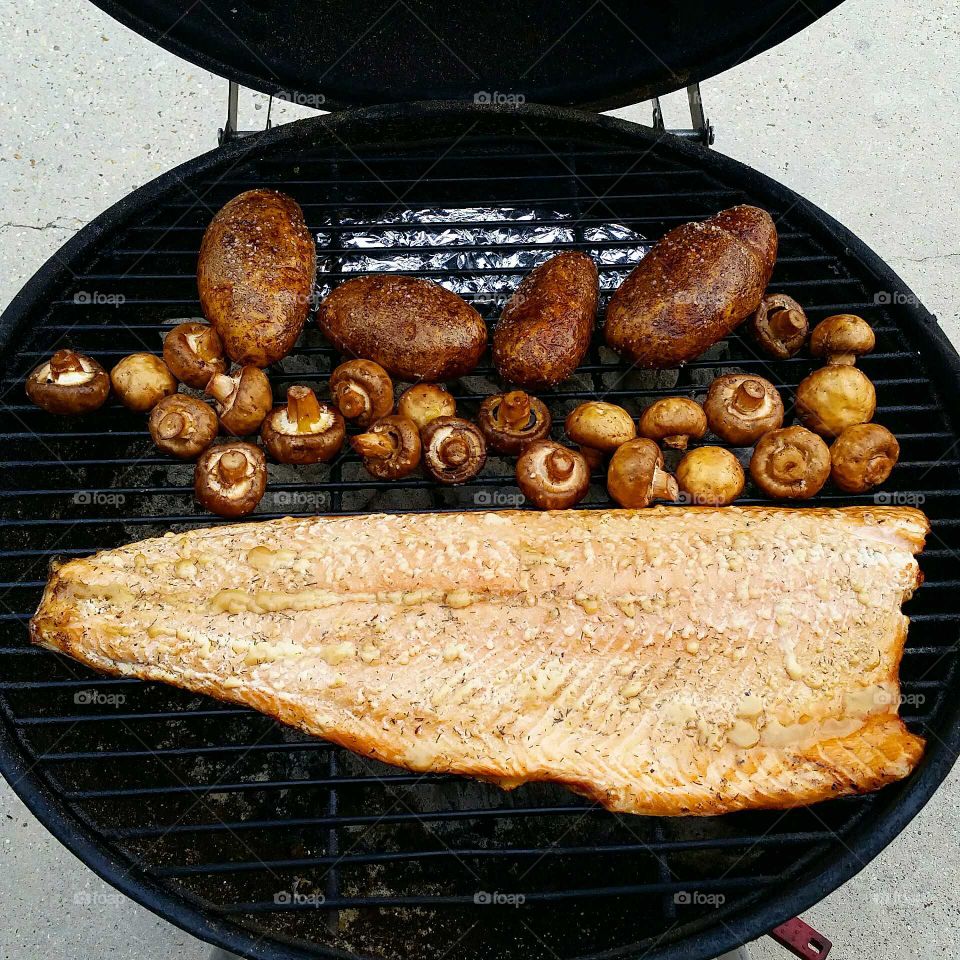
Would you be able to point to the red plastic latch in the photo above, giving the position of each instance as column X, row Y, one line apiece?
column 801, row 940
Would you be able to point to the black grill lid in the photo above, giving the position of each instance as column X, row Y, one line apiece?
column 604, row 53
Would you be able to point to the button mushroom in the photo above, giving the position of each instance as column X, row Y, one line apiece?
column 194, row 353
column 710, row 476
column 863, row 456
column 790, row 464
column 182, row 426
column 243, row 398
column 304, row 430
column 552, row 476
column 599, row 428
column 230, row 479
column 741, row 407
column 425, row 402
column 673, row 421
column 141, row 381
column 833, row 398
column 842, row 338
column 779, row 325
column 68, row 383
column 454, row 450
column 509, row 421
column 362, row 391
column 390, row 449
column 635, row 477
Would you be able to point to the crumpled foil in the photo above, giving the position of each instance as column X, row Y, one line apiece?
column 458, row 244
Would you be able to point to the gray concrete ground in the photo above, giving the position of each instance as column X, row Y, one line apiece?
column 858, row 114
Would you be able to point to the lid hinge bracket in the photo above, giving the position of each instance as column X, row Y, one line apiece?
column 229, row 131
column 700, row 129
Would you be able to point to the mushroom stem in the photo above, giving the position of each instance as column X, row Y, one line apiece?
column 302, row 408
column 842, row 359
column 786, row 323
column 454, row 451
column 232, row 467
column 374, row 446
column 221, row 387
column 678, row 442
column 172, row 425
column 351, row 400
column 514, row 410
column 560, row 465
column 748, row 396
column 788, row 465
column 664, row 485
column 65, row 361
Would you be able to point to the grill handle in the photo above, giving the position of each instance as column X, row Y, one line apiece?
column 801, row 940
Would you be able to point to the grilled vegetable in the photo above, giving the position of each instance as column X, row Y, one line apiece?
column 424, row 402
column 182, row 426
column 390, row 449
column 636, row 477
column 693, row 288
column 552, row 476
column 835, row 397
column 779, row 325
column 599, row 428
column 672, row 421
column 243, row 399
column 741, row 408
column 141, row 381
column 415, row 329
column 230, row 479
column 454, row 450
column 70, row 383
column 304, row 430
column 710, row 476
column 842, row 338
column 510, row 421
column 193, row 352
column 255, row 275
column 362, row 391
column 863, row 456
column 545, row 328
column 790, row 464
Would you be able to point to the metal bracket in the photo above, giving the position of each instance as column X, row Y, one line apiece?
column 802, row 940
column 700, row 129
column 229, row 131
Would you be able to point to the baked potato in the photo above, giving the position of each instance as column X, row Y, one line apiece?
column 545, row 327
column 256, row 272
column 694, row 287
column 415, row 329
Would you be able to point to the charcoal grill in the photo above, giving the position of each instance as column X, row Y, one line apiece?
column 274, row 845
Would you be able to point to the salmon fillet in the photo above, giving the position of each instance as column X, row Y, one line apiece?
column 666, row 661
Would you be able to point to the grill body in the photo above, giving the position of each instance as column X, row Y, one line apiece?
column 273, row 845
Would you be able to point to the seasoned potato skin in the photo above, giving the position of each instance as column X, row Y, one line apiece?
column 696, row 285
column 256, row 271
column 415, row 329
column 545, row 328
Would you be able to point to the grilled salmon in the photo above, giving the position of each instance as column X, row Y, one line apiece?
column 667, row 661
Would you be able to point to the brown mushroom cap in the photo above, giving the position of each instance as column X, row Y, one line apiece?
column 68, row 383
column 243, row 398
column 362, row 390
column 303, row 430
column 552, row 476
column 141, row 381
column 390, row 448
column 741, row 407
column 635, row 477
column 673, row 421
column 842, row 338
column 424, row 402
column 509, row 421
column 194, row 353
column 710, row 476
column 454, row 450
column 230, row 479
column 863, row 456
column 779, row 325
column 182, row 426
column 833, row 398
column 790, row 464
column 600, row 425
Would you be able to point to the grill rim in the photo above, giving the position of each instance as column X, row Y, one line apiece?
column 896, row 806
